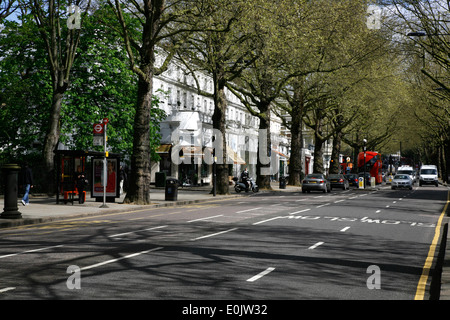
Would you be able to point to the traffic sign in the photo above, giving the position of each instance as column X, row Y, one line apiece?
column 98, row 128
column 97, row 140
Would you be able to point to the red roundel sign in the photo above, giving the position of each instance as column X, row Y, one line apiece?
column 98, row 128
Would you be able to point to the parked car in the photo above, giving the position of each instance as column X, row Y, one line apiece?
column 402, row 181
column 352, row 179
column 316, row 181
column 338, row 181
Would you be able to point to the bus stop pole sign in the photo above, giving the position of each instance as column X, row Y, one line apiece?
column 98, row 134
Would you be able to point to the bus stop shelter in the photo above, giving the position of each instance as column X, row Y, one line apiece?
column 68, row 162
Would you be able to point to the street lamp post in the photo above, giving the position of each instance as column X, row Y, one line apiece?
column 105, row 156
column 364, row 149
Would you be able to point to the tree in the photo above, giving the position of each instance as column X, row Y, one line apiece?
column 262, row 81
column 219, row 49
column 322, row 40
column 103, row 86
column 428, row 29
column 25, row 90
column 61, row 37
column 7, row 7
column 147, row 26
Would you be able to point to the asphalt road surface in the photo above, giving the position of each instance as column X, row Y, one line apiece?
column 268, row 246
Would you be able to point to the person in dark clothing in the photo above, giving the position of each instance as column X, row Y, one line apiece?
column 244, row 178
column 27, row 181
column 80, row 178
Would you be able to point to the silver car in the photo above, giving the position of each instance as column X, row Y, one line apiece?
column 402, row 181
column 316, row 181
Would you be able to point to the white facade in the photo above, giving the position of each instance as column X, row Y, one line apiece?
column 189, row 124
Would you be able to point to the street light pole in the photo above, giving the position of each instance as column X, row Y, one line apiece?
column 364, row 149
column 105, row 169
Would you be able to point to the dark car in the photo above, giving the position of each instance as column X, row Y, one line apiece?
column 338, row 181
column 316, row 181
column 352, row 179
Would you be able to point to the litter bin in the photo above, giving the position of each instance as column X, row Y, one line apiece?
column 171, row 189
column 282, row 182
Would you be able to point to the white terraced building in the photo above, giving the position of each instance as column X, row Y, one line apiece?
column 189, row 126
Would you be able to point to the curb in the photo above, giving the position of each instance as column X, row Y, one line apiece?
column 11, row 223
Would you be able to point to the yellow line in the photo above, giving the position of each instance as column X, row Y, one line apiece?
column 420, row 291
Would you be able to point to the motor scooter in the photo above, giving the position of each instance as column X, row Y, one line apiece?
column 240, row 186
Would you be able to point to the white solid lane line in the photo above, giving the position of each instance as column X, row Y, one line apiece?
column 29, row 251
column 247, row 210
column 316, row 245
column 118, row 259
column 207, row 218
column 7, row 289
column 214, row 234
column 345, row 229
column 125, row 233
column 304, row 210
column 267, row 220
column 260, row 275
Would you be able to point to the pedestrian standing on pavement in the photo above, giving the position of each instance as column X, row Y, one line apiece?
column 80, row 178
column 27, row 182
column 123, row 178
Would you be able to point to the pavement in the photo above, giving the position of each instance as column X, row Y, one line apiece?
column 44, row 209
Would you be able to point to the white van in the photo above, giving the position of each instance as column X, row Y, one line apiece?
column 409, row 171
column 428, row 175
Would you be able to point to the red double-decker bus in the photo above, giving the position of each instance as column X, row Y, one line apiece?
column 373, row 165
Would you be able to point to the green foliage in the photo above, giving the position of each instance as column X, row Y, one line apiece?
column 25, row 91
column 102, row 86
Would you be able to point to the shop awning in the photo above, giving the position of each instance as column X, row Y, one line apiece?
column 233, row 156
column 192, row 151
column 164, row 148
column 280, row 154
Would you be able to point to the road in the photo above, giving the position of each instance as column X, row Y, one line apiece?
column 268, row 246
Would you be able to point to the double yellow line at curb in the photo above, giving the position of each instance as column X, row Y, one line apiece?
column 420, row 291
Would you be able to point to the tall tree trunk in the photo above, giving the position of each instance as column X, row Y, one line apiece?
column 295, row 161
column 219, row 121
column 263, row 163
column 318, row 157
column 52, row 139
column 139, row 182
column 318, row 150
column 334, row 164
